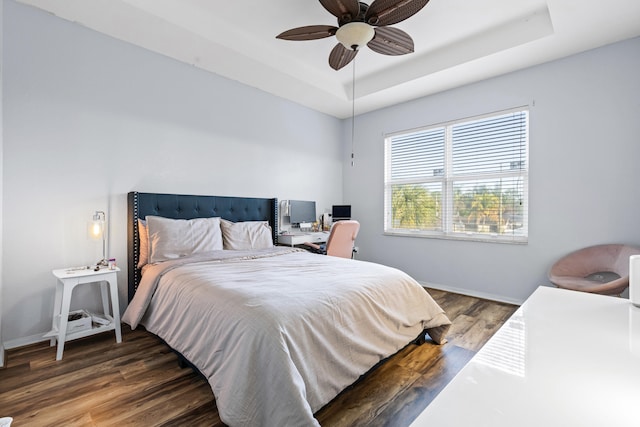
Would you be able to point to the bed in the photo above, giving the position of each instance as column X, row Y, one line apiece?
column 277, row 332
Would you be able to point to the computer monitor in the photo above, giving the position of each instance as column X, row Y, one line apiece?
column 301, row 211
column 339, row 212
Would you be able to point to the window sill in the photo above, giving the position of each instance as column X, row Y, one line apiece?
column 473, row 237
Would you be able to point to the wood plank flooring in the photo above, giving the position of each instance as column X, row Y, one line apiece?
column 139, row 382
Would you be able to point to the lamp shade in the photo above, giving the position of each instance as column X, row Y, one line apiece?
column 97, row 230
column 355, row 34
column 96, row 227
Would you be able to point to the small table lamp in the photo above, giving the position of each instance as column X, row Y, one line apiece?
column 98, row 230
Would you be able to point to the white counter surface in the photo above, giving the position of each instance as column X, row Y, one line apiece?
column 564, row 358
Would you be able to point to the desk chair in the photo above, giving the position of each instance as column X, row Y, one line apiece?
column 341, row 238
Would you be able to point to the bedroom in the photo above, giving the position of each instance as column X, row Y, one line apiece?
column 87, row 118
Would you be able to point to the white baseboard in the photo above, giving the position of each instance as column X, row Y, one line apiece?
column 21, row 342
column 483, row 295
column 1, row 355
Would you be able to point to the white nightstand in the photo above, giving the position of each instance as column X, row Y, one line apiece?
column 67, row 280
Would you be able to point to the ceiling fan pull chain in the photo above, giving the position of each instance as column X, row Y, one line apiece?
column 353, row 113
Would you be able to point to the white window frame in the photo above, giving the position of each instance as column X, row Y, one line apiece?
column 448, row 180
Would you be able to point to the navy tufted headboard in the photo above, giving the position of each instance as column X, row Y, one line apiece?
column 180, row 206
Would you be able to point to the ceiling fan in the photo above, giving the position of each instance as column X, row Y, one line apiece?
column 360, row 24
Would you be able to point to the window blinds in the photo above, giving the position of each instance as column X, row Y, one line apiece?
column 463, row 179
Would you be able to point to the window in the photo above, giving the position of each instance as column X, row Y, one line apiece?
column 465, row 179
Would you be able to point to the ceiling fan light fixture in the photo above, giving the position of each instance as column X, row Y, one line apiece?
column 355, row 34
column 360, row 24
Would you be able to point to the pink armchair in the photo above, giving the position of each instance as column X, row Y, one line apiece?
column 601, row 269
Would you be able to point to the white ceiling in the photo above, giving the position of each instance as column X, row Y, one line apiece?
column 456, row 42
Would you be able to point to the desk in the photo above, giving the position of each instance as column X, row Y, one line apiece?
column 564, row 358
column 67, row 280
column 300, row 238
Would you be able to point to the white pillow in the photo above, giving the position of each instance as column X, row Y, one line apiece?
column 176, row 238
column 143, row 232
column 246, row 235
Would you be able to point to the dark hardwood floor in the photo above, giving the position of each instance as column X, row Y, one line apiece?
column 139, row 383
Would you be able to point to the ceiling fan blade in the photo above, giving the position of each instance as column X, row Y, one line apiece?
column 341, row 56
column 344, row 10
column 391, row 41
column 389, row 12
column 311, row 32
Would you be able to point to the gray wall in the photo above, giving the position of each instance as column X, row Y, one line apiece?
column 584, row 177
column 88, row 118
